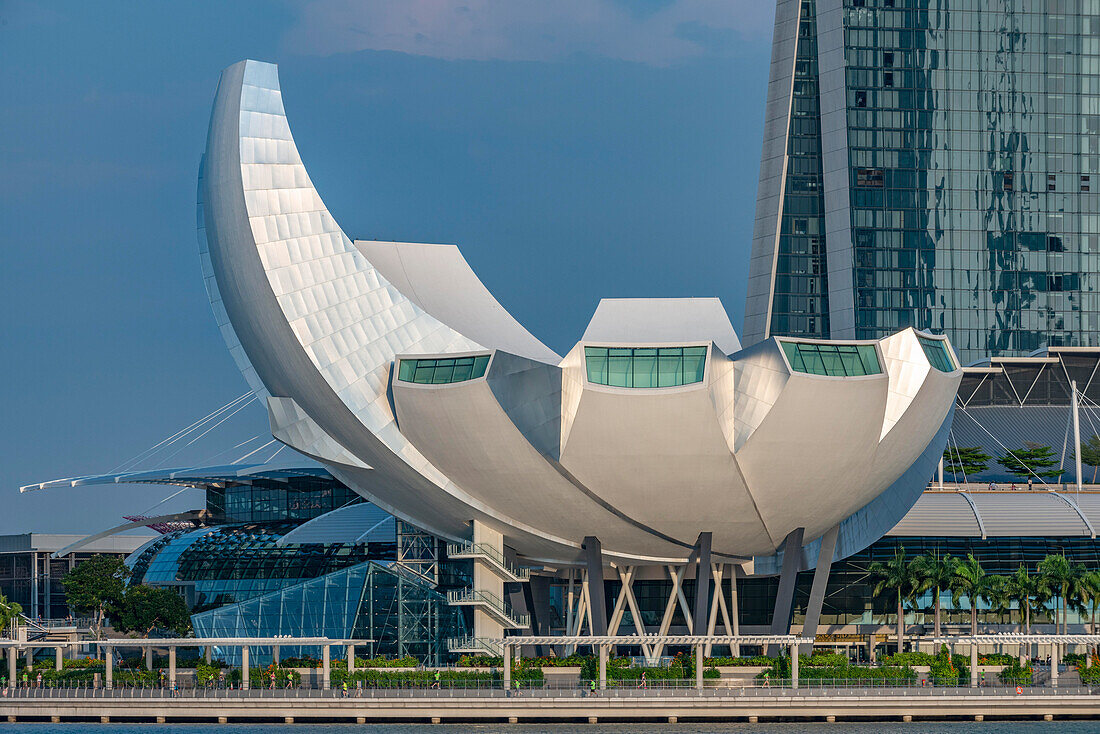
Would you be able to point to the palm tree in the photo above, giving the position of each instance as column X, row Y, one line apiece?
column 9, row 612
column 934, row 572
column 999, row 601
column 1062, row 580
column 1091, row 586
column 1023, row 589
column 898, row 576
column 970, row 580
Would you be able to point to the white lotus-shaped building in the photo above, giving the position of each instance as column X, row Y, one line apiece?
column 392, row 365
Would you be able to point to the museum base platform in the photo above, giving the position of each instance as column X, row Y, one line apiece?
column 484, row 706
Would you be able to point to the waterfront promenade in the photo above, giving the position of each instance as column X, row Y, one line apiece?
column 548, row 704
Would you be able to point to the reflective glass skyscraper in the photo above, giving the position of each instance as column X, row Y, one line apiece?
column 931, row 163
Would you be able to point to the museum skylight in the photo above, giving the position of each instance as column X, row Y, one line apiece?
column 442, row 371
column 832, row 360
column 646, row 367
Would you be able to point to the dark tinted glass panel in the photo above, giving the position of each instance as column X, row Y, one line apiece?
column 832, row 360
column 645, row 367
column 937, row 355
column 442, row 371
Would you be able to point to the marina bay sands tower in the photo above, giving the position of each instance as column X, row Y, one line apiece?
column 931, row 163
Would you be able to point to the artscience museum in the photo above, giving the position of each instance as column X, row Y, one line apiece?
column 653, row 442
column 458, row 481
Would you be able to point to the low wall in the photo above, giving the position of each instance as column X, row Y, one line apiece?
column 708, row 705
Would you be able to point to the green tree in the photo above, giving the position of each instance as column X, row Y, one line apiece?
column 9, row 612
column 1063, row 581
column 96, row 587
column 897, row 576
column 1022, row 589
column 146, row 608
column 1090, row 586
column 1033, row 460
column 965, row 460
column 934, row 573
column 1090, row 453
column 971, row 581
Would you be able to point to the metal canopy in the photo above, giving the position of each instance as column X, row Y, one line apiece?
column 657, row 639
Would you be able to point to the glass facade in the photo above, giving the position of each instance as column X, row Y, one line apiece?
column 801, row 290
column 645, row 366
column 231, row 563
column 832, row 360
column 937, row 354
column 972, row 133
column 402, row 614
column 298, row 498
column 442, row 371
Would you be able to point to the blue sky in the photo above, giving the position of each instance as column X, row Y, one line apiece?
column 574, row 150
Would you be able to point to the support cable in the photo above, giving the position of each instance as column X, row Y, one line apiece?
column 133, row 461
column 238, row 461
column 238, row 409
column 1007, row 450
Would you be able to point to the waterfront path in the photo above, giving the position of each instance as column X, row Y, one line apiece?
column 718, row 704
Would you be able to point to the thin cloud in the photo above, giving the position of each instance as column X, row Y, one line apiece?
column 531, row 30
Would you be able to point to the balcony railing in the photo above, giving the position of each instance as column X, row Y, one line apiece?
column 491, row 603
column 483, row 645
column 493, row 556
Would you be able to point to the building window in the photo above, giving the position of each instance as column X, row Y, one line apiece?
column 869, row 177
column 1085, row 183
column 936, row 351
column 1050, row 182
column 645, row 367
column 888, row 79
column 442, row 371
column 1009, row 181
column 832, row 360
column 1054, row 244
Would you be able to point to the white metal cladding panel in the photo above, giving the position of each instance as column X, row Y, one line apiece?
column 348, row 318
column 939, row 514
column 1027, row 513
column 1089, row 502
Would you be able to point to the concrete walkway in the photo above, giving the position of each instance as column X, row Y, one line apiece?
column 553, row 705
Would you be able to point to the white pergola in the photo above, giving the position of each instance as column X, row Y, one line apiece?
column 109, row 646
column 604, row 643
column 1056, row 642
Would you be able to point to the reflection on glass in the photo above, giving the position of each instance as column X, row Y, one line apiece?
column 832, row 360
column 645, row 367
column 936, row 351
column 442, row 371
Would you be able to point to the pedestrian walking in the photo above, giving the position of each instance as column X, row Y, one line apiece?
column 345, row 689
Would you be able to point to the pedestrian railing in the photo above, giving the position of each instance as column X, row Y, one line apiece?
column 722, row 688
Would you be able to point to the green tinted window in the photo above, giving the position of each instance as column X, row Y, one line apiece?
column 442, row 371
column 832, row 360
column 645, row 366
column 936, row 351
